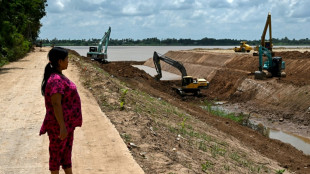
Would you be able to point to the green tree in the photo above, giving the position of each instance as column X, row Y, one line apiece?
column 20, row 26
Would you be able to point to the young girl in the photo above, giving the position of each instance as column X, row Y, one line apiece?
column 63, row 110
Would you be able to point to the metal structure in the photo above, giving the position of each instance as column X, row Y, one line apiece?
column 264, row 43
column 189, row 83
column 96, row 52
column 267, row 44
column 272, row 67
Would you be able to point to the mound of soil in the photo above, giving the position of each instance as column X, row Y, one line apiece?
column 136, row 77
column 293, row 55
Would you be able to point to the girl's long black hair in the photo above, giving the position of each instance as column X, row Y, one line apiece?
column 54, row 55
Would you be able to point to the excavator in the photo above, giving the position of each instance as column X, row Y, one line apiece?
column 95, row 53
column 264, row 43
column 244, row 47
column 273, row 67
column 189, row 84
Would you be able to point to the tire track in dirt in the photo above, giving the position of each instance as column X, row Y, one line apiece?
column 22, row 110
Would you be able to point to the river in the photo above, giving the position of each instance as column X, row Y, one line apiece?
column 142, row 53
column 138, row 53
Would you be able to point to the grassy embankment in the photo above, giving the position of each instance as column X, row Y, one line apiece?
column 143, row 119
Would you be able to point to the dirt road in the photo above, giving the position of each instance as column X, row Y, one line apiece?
column 98, row 147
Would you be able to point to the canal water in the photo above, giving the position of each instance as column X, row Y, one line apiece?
column 299, row 142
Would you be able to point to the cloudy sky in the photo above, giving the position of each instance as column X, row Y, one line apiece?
column 195, row 19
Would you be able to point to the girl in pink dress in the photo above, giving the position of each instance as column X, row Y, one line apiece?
column 63, row 110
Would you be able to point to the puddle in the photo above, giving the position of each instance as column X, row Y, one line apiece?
column 299, row 142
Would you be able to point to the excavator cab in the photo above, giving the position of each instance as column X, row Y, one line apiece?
column 187, row 80
column 272, row 67
column 268, row 45
column 93, row 49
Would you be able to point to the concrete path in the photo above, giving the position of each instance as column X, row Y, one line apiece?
column 98, row 147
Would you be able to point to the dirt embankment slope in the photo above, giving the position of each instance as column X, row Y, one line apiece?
column 231, row 78
column 148, row 128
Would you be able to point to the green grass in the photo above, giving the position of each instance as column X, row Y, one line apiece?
column 208, row 165
column 218, row 112
column 280, row 171
column 122, row 98
column 126, row 137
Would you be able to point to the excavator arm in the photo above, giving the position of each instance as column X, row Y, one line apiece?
column 268, row 24
column 264, row 51
column 105, row 39
column 157, row 58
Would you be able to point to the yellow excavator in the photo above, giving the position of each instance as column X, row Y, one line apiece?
column 264, row 43
column 244, row 47
column 189, row 84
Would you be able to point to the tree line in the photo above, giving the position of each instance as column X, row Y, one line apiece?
column 20, row 25
column 169, row 42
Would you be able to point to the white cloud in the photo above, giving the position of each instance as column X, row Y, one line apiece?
column 130, row 10
column 60, row 4
column 195, row 19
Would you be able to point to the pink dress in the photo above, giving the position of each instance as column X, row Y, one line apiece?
column 71, row 105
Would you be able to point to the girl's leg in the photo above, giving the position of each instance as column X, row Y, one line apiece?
column 54, row 151
column 67, row 154
column 68, row 170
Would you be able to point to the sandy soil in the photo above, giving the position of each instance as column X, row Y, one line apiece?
column 98, row 147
